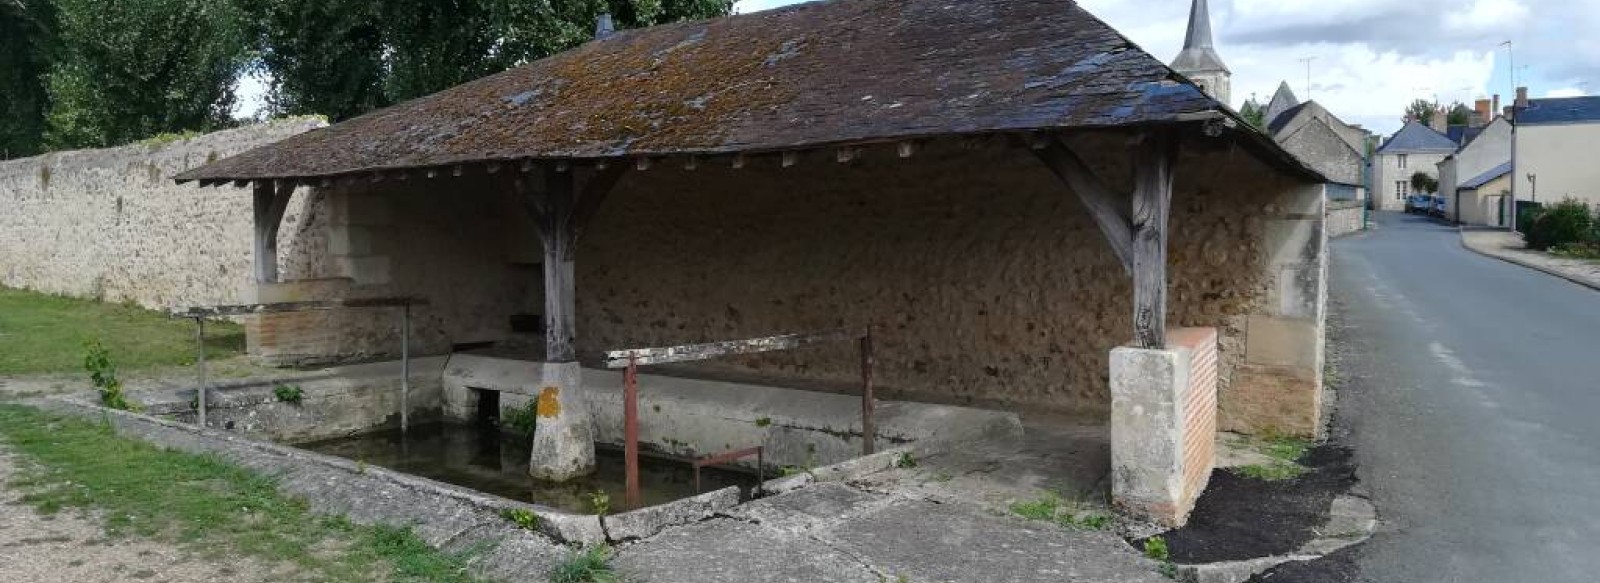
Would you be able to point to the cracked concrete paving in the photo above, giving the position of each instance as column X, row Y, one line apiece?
column 833, row 532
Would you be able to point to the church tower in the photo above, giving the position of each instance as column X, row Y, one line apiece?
column 1199, row 61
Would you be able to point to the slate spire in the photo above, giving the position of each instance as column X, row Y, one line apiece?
column 1199, row 36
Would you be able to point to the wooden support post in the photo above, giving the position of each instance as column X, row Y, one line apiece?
column 200, row 396
column 869, row 425
column 270, row 200
column 630, row 431
column 1108, row 209
column 1152, row 201
column 559, row 242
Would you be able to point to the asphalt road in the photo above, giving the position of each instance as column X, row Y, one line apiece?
column 1472, row 400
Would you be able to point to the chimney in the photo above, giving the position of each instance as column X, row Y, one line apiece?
column 1441, row 120
column 1483, row 114
column 1496, row 106
column 1505, row 112
column 603, row 26
column 1522, row 97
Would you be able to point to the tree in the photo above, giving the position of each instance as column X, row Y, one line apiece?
column 342, row 58
column 27, row 47
column 1459, row 115
column 1422, row 183
column 1420, row 110
column 322, row 56
column 131, row 69
column 1254, row 113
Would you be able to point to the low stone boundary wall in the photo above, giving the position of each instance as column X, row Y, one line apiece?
column 1345, row 217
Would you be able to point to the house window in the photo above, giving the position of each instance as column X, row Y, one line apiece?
column 1402, row 160
column 1400, row 189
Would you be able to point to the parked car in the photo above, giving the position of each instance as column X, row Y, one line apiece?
column 1438, row 206
column 1419, row 204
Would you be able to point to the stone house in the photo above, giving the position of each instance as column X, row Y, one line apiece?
column 1326, row 143
column 1465, row 177
column 1415, row 148
column 1553, row 149
column 1038, row 216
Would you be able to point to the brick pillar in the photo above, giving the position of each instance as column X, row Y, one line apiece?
column 1163, row 425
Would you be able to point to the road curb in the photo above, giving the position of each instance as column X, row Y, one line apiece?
column 1352, row 520
column 1583, row 281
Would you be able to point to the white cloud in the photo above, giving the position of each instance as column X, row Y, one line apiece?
column 1487, row 15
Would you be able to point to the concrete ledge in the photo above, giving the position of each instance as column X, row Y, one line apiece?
column 336, row 402
column 651, row 520
column 691, row 417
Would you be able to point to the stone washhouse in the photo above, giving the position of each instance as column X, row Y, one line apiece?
column 1036, row 215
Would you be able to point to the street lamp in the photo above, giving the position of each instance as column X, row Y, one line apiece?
column 1533, row 187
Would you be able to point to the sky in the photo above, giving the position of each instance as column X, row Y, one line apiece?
column 1368, row 58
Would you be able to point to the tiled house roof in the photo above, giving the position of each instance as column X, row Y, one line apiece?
column 817, row 74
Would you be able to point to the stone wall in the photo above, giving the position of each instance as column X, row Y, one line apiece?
column 111, row 223
column 1345, row 217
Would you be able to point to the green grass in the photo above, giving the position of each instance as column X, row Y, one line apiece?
column 1069, row 514
column 41, row 333
column 589, row 565
column 204, row 503
column 1285, row 452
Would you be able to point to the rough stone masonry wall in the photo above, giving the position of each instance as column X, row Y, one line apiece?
column 111, row 224
column 991, row 283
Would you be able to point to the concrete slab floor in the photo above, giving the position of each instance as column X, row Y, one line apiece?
column 1071, row 460
column 832, row 532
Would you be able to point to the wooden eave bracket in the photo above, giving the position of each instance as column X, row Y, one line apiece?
column 1110, row 210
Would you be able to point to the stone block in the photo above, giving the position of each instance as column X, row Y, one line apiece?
column 1282, row 342
column 650, row 520
column 1262, row 399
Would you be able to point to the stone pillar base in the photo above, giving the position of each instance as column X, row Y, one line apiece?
column 1163, row 425
column 563, row 440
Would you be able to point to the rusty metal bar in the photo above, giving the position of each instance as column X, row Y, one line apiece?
column 200, row 366
column 630, row 429
column 869, row 425
column 405, row 368
column 709, row 350
column 727, row 457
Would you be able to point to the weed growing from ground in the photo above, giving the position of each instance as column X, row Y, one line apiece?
column 589, row 565
column 103, row 374
column 1068, row 514
column 763, row 422
column 291, row 394
column 1284, row 450
column 521, row 517
column 1155, row 548
column 905, row 460
column 600, row 502
column 522, row 419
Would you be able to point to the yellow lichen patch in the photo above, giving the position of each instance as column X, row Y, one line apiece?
column 549, row 402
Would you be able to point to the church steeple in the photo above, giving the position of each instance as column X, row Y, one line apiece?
column 1199, row 35
column 1199, row 61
